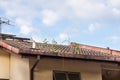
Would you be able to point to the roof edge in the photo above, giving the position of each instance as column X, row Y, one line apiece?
column 11, row 48
column 76, row 56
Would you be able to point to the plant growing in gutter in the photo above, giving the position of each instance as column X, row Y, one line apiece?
column 54, row 45
column 54, row 42
column 37, row 47
column 45, row 41
column 76, row 47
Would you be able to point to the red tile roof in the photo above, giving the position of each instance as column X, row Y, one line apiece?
column 73, row 50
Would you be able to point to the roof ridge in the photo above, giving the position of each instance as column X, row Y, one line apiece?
column 99, row 49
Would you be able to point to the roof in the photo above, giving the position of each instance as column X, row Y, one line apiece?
column 10, row 36
column 74, row 50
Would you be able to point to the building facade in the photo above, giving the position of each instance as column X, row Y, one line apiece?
column 20, row 61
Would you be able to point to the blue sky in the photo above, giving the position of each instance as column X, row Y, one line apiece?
column 91, row 22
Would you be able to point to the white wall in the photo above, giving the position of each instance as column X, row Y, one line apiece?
column 88, row 70
column 19, row 69
column 4, row 65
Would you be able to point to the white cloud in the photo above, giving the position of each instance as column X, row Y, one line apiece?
column 86, row 9
column 20, row 21
column 16, row 8
column 114, row 8
column 49, row 17
column 37, row 38
column 116, row 12
column 94, row 27
column 23, row 14
column 50, row 12
column 114, row 39
column 25, row 27
column 63, row 36
column 115, row 3
column 54, row 10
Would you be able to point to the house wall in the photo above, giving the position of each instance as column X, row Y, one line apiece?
column 111, row 74
column 4, row 65
column 88, row 70
column 19, row 69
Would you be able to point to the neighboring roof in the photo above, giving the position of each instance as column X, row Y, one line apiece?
column 10, row 36
column 3, row 36
column 73, row 50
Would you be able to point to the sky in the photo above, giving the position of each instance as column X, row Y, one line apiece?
column 91, row 22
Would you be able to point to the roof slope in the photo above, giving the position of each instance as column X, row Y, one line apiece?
column 73, row 50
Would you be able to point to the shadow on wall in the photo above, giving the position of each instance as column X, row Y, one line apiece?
column 110, row 75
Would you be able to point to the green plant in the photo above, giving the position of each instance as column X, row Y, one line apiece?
column 54, row 42
column 45, row 42
column 76, row 48
column 37, row 47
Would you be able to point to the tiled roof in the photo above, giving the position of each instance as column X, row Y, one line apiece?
column 73, row 50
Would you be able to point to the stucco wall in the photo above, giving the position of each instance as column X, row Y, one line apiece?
column 19, row 69
column 88, row 71
column 4, row 65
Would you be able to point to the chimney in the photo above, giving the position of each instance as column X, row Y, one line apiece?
column 33, row 43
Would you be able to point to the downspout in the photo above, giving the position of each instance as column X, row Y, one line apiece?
column 33, row 67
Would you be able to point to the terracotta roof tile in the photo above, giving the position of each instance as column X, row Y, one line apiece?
column 77, row 50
